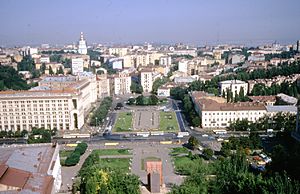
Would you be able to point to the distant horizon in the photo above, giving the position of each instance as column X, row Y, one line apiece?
column 191, row 22
column 253, row 43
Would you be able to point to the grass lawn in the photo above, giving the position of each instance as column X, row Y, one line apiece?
column 144, row 160
column 65, row 153
column 121, row 164
column 178, row 151
column 124, row 122
column 168, row 122
column 111, row 152
column 184, row 165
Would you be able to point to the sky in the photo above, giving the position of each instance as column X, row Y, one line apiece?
column 196, row 22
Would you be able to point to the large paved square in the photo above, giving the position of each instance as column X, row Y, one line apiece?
column 145, row 120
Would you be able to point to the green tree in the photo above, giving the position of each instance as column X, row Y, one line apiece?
column 10, row 79
column 43, row 68
column 60, row 70
column 208, row 153
column 51, row 72
column 136, row 88
column 157, row 83
column 193, row 142
column 139, row 100
column 153, row 100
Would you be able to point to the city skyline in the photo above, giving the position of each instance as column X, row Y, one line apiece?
column 122, row 22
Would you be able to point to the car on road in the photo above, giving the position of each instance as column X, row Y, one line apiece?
column 204, row 135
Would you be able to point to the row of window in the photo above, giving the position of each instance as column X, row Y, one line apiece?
column 29, row 127
column 32, row 113
column 34, row 109
column 34, row 117
column 233, row 113
column 33, row 101
column 35, row 121
column 228, row 119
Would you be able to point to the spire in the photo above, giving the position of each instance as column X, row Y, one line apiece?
column 81, row 36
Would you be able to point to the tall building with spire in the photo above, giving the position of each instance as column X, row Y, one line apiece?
column 82, row 49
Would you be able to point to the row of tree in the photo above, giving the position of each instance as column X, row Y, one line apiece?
column 278, row 122
column 101, row 112
column 292, row 89
column 41, row 135
column 144, row 101
column 189, row 111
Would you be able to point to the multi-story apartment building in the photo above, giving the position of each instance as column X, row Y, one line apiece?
column 63, row 108
column 147, row 80
column 122, row 83
column 234, row 86
column 118, row 51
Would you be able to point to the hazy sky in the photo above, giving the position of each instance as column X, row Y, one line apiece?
column 137, row 21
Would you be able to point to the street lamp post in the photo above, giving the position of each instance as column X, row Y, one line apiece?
column 96, row 122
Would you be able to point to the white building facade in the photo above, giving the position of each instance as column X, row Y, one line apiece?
column 234, row 86
column 122, row 84
column 147, row 80
column 77, row 66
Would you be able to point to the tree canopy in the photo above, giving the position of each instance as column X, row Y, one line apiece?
column 10, row 79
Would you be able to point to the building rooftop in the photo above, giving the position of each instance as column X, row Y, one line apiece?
column 26, row 167
column 282, row 108
column 232, row 82
column 263, row 98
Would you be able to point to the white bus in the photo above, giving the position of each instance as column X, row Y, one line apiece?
column 220, row 131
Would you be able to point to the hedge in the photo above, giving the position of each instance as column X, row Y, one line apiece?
column 74, row 158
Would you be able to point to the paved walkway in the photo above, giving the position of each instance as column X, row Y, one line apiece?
column 140, row 153
column 69, row 172
column 116, row 156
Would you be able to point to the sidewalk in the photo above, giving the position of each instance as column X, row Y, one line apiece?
column 70, row 172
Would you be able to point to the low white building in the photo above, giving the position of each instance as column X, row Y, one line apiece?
column 214, row 112
column 163, row 91
column 234, row 86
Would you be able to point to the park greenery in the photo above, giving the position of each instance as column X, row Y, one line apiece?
column 74, row 157
column 109, row 175
column 101, row 112
column 10, row 79
column 253, row 142
column 123, row 122
column 229, row 175
column 112, row 152
column 168, row 121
